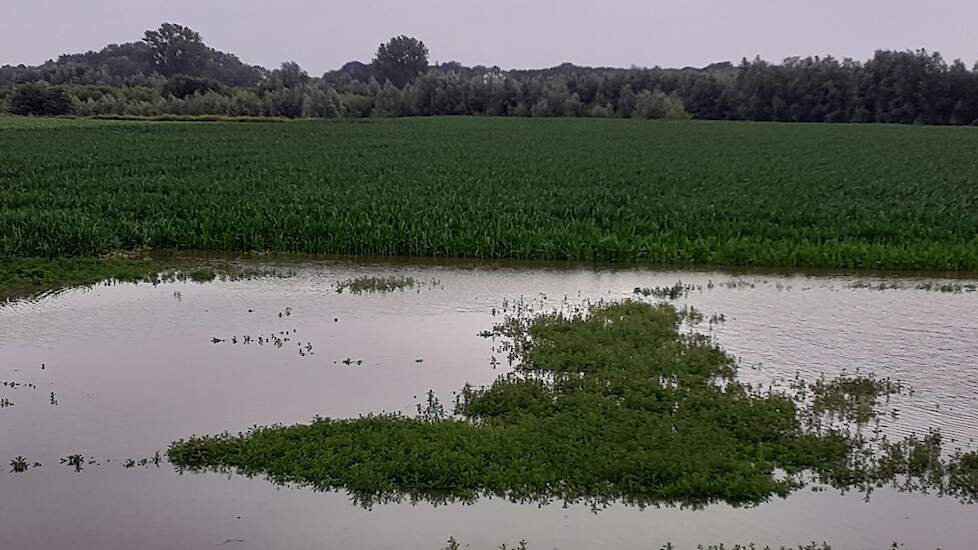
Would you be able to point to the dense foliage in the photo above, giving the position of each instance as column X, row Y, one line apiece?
column 401, row 61
column 614, row 403
column 173, row 72
column 36, row 100
column 605, row 190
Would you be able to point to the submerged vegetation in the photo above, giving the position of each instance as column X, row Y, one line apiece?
column 591, row 190
column 853, row 398
column 612, row 403
column 27, row 277
column 367, row 285
column 19, row 464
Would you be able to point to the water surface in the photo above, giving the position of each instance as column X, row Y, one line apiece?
column 129, row 368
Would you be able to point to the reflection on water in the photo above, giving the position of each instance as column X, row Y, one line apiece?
column 112, row 374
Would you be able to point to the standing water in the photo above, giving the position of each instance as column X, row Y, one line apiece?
column 93, row 382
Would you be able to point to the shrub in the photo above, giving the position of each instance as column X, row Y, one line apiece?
column 35, row 100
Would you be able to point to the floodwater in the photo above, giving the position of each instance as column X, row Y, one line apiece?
column 117, row 372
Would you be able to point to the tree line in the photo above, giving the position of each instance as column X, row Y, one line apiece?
column 171, row 71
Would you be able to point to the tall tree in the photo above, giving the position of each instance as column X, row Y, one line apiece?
column 177, row 50
column 290, row 75
column 401, row 60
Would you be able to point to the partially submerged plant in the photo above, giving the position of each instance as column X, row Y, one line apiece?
column 366, row 285
column 76, row 461
column 674, row 292
column 608, row 403
column 855, row 399
column 19, row 464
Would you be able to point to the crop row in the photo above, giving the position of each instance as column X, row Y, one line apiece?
column 685, row 192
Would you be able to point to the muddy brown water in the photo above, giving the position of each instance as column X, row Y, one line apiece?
column 134, row 367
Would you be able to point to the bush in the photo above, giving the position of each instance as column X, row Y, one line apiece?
column 34, row 100
column 183, row 86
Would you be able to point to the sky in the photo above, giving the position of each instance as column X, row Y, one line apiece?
column 324, row 34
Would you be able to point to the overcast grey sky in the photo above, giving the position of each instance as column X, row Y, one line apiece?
column 324, row 34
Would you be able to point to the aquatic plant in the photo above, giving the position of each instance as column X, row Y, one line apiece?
column 76, row 461
column 454, row 544
column 855, row 398
column 609, row 403
column 27, row 277
column 19, row 464
column 23, row 277
column 203, row 275
column 155, row 460
column 676, row 291
column 365, row 284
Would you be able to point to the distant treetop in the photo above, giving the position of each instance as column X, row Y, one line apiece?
column 401, row 60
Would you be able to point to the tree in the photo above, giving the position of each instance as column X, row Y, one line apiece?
column 573, row 105
column 176, row 49
column 626, row 101
column 245, row 103
column 401, row 60
column 319, row 103
column 285, row 103
column 182, row 86
column 290, row 75
column 354, row 70
column 229, row 70
column 34, row 100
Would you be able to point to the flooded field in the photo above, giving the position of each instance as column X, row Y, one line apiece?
column 94, row 382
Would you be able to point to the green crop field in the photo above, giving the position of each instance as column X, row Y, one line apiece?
column 840, row 196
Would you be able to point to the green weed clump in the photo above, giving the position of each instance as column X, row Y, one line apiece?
column 27, row 277
column 852, row 398
column 595, row 190
column 19, row 465
column 21, row 277
column 370, row 285
column 613, row 403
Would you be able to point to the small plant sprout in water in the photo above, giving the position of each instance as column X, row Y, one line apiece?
column 674, row 292
column 154, row 460
column 946, row 287
column 277, row 340
column 433, row 409
column 381, row 285
column 19, row 464
column 453, row 544
column 76, row 461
